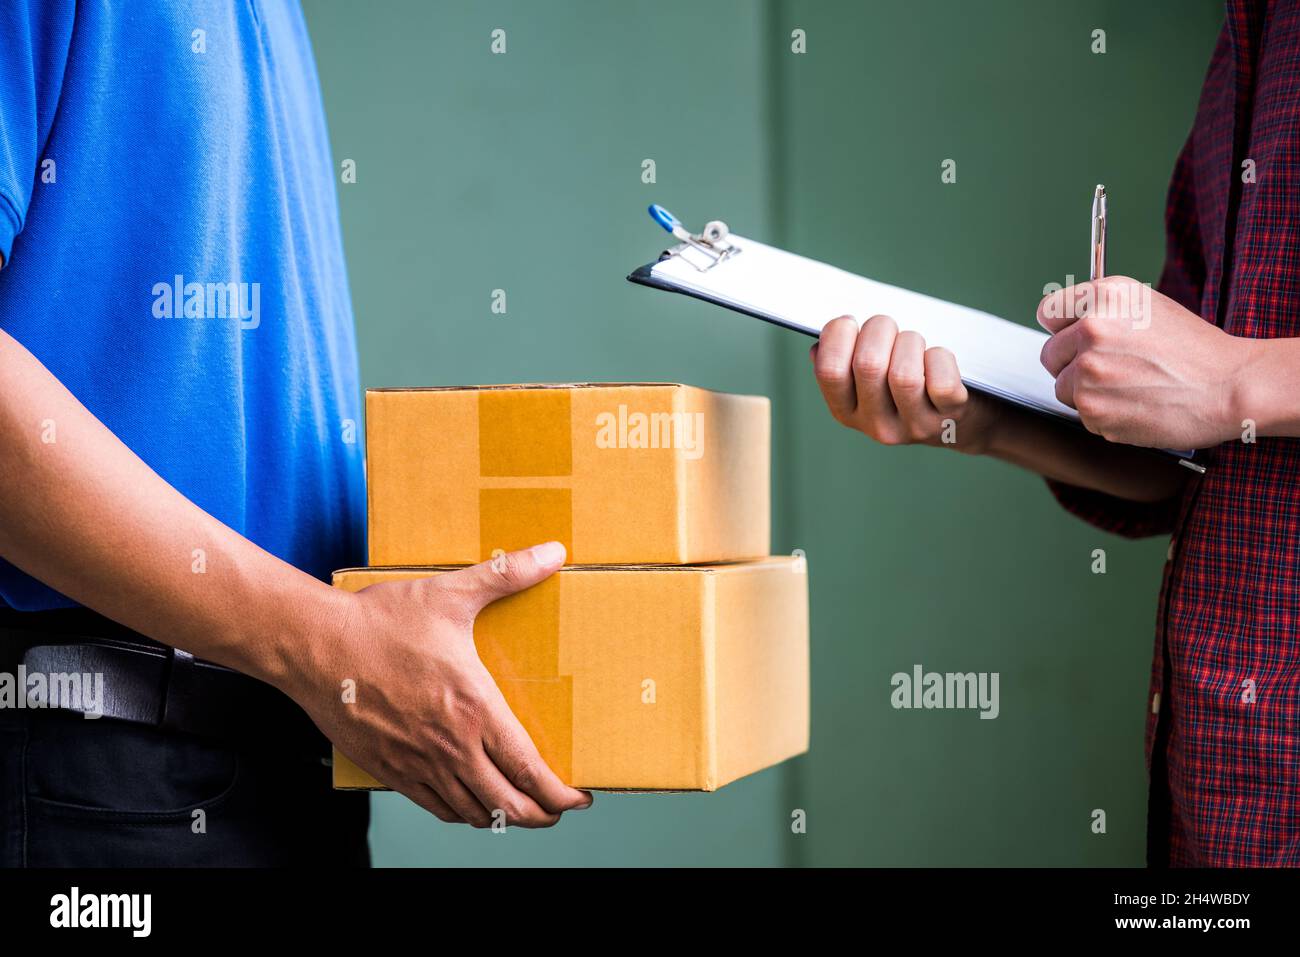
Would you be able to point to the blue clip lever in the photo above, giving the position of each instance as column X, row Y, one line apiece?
column 664, row 218
column 669, row 222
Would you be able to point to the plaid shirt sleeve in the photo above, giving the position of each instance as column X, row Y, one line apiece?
column 1183, row 280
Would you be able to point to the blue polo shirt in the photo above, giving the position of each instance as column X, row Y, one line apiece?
column 170, row 234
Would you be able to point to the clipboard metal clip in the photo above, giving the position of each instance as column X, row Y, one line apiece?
column 713, row 245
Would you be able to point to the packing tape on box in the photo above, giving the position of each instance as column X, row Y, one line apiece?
column 526, row 665
column 528, row 433
column 524, row 434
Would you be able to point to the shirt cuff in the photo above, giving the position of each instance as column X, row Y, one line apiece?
column 1118, row 515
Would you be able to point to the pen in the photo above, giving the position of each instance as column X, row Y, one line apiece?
column 1097, row 268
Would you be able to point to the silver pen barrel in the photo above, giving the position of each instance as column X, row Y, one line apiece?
column 1097, row 267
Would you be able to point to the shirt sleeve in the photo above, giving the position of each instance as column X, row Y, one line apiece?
column 36, row 37
column 1183, row 280
column 1118, row 515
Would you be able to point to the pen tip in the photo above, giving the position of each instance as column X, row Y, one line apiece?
column 1101, row 191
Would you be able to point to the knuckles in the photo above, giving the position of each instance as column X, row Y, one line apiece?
column 1050, row 305
column 478, row 819
column 1044, row 354
column 507, row 568
column 1092, row 329
column 1090, row 367
column 1088, row 407
column 1097, row 417
column 447, row 750
column 870, row 367
column 845, row 417
column 831, row 365
column 944, row 391
column 905, row 380
column 526, row 777
column 515, row 811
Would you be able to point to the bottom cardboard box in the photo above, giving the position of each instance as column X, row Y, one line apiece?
column 660, row 678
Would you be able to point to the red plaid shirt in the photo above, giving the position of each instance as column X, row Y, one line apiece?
column 1223, row 726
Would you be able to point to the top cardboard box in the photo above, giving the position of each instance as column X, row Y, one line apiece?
column 645, row 473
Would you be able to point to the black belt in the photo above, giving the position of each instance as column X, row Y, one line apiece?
column 147, row 683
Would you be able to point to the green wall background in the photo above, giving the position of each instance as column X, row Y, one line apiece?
column 519, row 171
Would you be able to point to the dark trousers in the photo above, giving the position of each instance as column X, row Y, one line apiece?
column 76, row 792
column 101, row 792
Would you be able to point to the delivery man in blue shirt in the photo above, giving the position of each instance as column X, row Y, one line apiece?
column 179, row 403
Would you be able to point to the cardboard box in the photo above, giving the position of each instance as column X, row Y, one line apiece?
column 646, row 678
column 620, row 473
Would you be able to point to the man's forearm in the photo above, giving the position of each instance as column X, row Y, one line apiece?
column 85, row 515
column 1080, row 458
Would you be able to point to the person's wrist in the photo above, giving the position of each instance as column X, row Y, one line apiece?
column 304, row 641
column 983, row 429
column 1245, row 395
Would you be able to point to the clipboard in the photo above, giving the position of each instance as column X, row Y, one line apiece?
column 996, row 357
